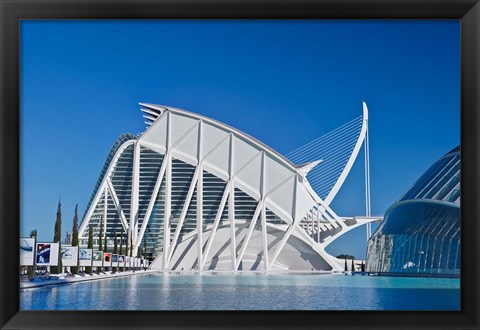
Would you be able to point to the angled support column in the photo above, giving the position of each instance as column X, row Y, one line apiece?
column 249, row 234
column 116, row 203
column 134, row 196
column 183, row 214
column 282, row 244
column 231, row 206
column 290, row 229
column 264, row 214
column 105, row 207
column 153, row 198
column 168, row 198
column 199, row 198
column 221, row 207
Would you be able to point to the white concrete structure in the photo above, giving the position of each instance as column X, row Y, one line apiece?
column 206, row 196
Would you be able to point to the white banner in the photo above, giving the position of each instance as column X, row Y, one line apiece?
column 85, row 257
column 107, row 259
column 27, row 251
column 69, row 255
column 97, row 259
column 47, row 254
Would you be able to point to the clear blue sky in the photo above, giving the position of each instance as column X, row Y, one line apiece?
column 283, row 82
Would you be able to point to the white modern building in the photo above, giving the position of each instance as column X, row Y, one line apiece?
column 202, row 195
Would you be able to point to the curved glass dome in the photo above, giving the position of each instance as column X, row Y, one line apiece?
column 420, row 233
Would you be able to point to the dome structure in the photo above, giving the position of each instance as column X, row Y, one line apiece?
column 420, row 233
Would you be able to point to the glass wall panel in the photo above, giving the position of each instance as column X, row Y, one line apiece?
column 418, row 236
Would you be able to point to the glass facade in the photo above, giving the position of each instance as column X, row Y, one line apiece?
column 421, row 232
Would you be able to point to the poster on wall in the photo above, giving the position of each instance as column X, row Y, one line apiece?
column 121, row 261
column 127, row 261
column 114, row 260
column 47, row 254
column 85, row 257
column 69, row 255
column 107, row 259
column 27, row 251
column 97, row 259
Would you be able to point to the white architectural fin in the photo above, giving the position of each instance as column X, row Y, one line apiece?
column 303, row 169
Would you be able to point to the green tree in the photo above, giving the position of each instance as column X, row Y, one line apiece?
column 353, row 265
column 346, row 267
column 105, row 249
column 57, row 237
column 114, row 269
column 100, row 247
column 30, row 269
column 75, row 236
column 88, row 269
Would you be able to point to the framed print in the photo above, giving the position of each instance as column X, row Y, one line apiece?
column 107, row 259
column 47, row 254
column 97, row 258
column 85, row 257
column 277, row 165
column 27, row 251
column 121, row 261
column 69, row 256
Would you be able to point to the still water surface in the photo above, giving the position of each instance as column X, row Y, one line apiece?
column 248, row 292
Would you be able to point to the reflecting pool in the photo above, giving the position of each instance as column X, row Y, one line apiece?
column 248, row 292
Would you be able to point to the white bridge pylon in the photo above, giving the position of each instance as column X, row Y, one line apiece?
column 212, row 197
column 338, row 149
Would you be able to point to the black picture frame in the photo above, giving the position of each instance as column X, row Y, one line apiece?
column 12, row 11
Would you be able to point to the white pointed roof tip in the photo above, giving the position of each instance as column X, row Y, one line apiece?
column 365, row 110
column 154, row 106
column 160, row 107
column 303, row 169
